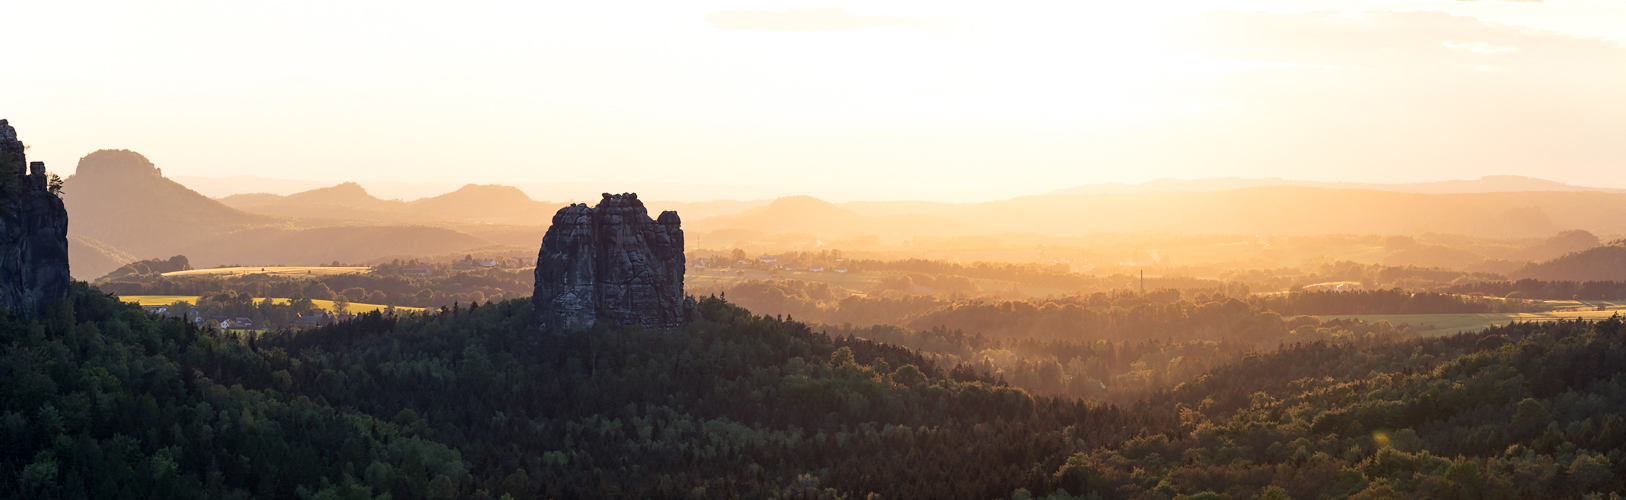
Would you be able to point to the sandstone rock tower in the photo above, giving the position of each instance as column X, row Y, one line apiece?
column 611, row 263
column 33, row 232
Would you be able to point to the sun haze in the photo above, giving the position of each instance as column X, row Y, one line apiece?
column 708, row 249
column 948, row 101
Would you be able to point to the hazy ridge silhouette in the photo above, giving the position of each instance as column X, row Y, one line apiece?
column 1486, row 184
column 125, row 210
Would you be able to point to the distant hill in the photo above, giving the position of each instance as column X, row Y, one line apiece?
column 1562, row 244
column 1487, row 184
column 348, row 194
column 121, row 199
column 350, row 202
column 123, row 209
column 488, row 203
column 1456, row 252
column 806, row 214
column 148, row 268
column 704, row 209
column 1601, row 263
column 1287, row 211
column 90, row 258
column 346, row 202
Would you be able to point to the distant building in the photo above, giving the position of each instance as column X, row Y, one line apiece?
column 816, row 269
column 841, row 269
column 485, row 263
column 418, row 271
column 769, row 259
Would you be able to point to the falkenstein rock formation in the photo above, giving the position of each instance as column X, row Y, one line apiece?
column 33, row 232
column 611, row 263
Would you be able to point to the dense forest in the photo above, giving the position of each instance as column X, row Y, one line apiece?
column 1391, row 301
column 102, row 400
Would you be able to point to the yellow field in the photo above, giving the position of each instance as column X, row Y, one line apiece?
column 272, row 270
column 1446, row 324
column 326, row 305
column 157, row 300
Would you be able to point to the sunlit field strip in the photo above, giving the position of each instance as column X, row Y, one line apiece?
column 326, row 305
column 272, row 270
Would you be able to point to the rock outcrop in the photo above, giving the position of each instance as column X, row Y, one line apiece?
column 611, row 263
column 33, row 232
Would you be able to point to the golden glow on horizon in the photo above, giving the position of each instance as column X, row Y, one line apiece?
column 950, row 101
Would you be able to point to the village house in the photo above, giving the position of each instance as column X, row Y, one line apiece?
column 418, row 271
column 768, row 259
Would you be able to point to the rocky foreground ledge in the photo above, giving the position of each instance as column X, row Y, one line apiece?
column 33, row 232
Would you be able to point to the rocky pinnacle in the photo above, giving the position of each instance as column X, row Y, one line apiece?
column 611, row 263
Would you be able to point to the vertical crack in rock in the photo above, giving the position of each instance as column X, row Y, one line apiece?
column 33, row 232
column 611, row 263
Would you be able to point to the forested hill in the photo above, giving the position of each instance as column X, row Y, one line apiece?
column 101, row 400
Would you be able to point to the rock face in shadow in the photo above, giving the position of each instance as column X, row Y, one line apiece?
column 33, row 232
column 611, row 263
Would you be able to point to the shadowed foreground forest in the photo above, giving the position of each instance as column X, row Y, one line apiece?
column 102, row 400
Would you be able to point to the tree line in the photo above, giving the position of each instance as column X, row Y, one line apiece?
column 1546, row 290
column 103, row 400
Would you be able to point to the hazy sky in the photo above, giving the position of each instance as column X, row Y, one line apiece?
column 936, row 99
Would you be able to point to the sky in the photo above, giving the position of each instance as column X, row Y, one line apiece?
column 938, row 100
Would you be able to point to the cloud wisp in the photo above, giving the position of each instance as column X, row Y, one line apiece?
column 827, row 19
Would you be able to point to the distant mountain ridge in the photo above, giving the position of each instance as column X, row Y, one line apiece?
column 487, row 203
column 491, row 203
column 1486, row 184
column 124, row 209
column 119, row 198
column 1600, row 263
column 806, row 214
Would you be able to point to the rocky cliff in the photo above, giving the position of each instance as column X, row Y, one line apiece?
column 33, row 232
column 611, row 263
